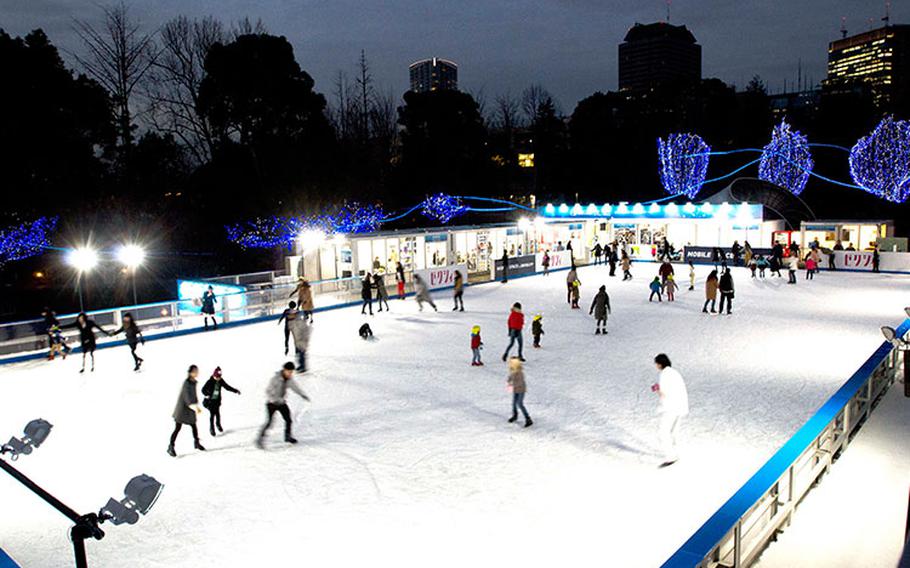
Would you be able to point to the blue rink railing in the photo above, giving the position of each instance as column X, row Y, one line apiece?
column 742, row 528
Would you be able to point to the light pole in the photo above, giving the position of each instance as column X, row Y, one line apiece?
column 132, row 256
column 83, row 260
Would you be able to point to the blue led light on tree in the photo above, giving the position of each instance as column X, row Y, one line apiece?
column 683, row 163
column 442, row 207
column 880, row 162
column 786, row 160
column 26, row 240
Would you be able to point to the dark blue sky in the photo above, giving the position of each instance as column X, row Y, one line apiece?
column 501, row 46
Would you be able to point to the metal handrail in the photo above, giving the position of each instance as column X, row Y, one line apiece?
column 740, row 530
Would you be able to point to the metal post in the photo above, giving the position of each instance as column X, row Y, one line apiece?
column 906, row 373
column 135, row 300
column 79, row 290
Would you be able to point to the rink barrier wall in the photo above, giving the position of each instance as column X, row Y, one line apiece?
column 739, row 531
column 6, row 561
column 42, row 354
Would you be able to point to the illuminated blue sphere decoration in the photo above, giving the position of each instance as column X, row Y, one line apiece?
column 355, row 218
column 683, row 163
column 880, row 162
column 26, row 240
column 442, row 207
column 786, row 160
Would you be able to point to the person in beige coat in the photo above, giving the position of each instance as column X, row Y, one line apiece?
column 304, row 298
column 519, row 388
column 710, row 292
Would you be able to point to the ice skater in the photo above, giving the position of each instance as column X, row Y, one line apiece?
column 276, row 401
column 422, row 293
column 365, row 332
column 546, row 262
column 211, row 390
column 576, row 294
column 515, row 324
column 287, row 316
column 505, row 266
column 792, row 267
column 133, row 337
column 87, row 339
column 626, row 267
column 775, row 265
column 537, row 330
column 600, row 309
column 710, row 292
column 726, row 291
column 519, row 387
column 476, row 346
column 665, row 271
column 691, row 276
column 459, row 291
column 186, row 410
column 399, row 280
column 56, row 342
column 670, row 287
column 762, row 264
column 656, row 290
column 611, row 259
column 811, row 265
column 208, row 307
column 571, row 278
column 674, row 405
column 304, row 301
column 301, row 330
column 382, row 294
column 366, row 294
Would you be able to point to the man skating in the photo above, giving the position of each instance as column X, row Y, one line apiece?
column 276, row 401
column 186, row 410
column 674, row 405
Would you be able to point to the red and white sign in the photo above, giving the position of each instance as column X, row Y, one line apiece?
column 442, row 276
column 560, row 259
column 862, row 260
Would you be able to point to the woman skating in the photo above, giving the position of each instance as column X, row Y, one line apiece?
column 211, row 390
column 186, row 410
column 86, row 337
column 133, row 337
column 711, row 292
column 208, row 307
column 626, row 267
column 366, row 294
column 422, row 293
column 304, row 298
column 600, row 309
column 382, row 294
column 459, row 292
column 519, row 387
column 399, row 280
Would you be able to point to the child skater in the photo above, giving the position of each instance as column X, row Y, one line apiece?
column 518, row 387
column 288, row 316
column 57, row 342
column 576, row 294
column 753, row 265
column 476, row 346
column 655, row 289
column 670, row 287
column 762, row 264
column 211, row 390
column 537, row 330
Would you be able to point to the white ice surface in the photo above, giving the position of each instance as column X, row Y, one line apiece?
column 405, row 456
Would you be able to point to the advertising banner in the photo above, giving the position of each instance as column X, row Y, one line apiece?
column 442, row 276
column 561, row 259
column 518, row 265
column 703, row 255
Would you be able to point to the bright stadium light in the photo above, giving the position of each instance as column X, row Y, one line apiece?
column 131, row 255
column 312, row 239
column 83, row 259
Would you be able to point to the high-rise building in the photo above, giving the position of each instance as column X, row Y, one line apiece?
column 656, row 54
column 433, row 74
column 877, row 59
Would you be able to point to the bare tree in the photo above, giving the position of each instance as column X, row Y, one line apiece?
column 533, row 98
column 173, row 85
column 343, row 112
column 505, row 114
column 246, row 26
column 119, row 56
column 364, row 83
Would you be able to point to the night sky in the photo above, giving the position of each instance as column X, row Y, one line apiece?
column 569, row 46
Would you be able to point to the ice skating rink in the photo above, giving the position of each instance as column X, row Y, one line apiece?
column 405, row 457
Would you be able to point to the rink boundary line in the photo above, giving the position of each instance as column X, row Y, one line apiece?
column 724, row 520
column 232, row 324
column 6, row 561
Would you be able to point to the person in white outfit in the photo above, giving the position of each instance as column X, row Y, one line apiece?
column 674, row 405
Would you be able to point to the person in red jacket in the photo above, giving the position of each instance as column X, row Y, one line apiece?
column 516, row 323
column 476, row 344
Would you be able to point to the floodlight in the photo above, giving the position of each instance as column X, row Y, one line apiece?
column 82, row 259
column 36, row 432
column 524, row 224
column 311, row 239
column 131, row 255
column 141, row 493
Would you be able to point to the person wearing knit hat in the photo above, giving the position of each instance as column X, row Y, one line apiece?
column 211, row 390
column 537, row 330
column 476, row 346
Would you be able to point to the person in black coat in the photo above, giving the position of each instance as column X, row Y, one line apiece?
column 876, row 259
column 208, row 307
column 505, row 266
column 186, row 410
column 86, row 337
column 133, row 337
column 366, row 294
column 211, row 390
column 726, row 291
